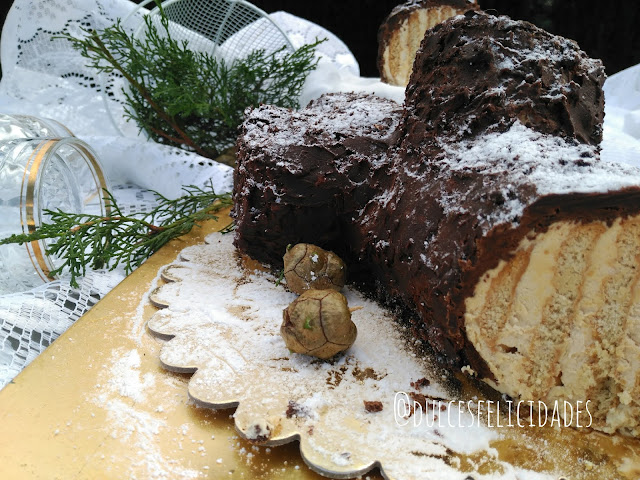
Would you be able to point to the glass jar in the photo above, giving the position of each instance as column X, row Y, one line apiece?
column 28, row 126
column 39, row 174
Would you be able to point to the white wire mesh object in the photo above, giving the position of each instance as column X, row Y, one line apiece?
column 226, row 29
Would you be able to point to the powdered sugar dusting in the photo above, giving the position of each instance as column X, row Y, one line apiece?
column 339, row 113
column 226, row 323
column 553, row 165
column 277, row 135
column 123, row 387
column 126, row 379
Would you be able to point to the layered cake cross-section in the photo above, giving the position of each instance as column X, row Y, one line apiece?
column 400, row 34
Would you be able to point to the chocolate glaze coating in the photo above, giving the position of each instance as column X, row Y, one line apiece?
column 302, row 176
column 484, row 72
column 498, row 140
column 475, row 75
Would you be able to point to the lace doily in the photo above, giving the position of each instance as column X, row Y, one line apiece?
column 231, row 341
column 29, row 322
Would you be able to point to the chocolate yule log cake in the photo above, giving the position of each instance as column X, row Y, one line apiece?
column 400, row 34
column 482, row 207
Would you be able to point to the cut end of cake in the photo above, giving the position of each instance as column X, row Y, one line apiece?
column 559, row 320
column 400, row 35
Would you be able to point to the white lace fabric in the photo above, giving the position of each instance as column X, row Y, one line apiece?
column 43, row 75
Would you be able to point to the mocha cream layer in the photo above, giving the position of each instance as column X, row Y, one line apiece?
column 561, row 320
column 400, row 49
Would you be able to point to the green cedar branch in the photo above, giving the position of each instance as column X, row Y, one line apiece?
column 85, row 241
column 192, row 100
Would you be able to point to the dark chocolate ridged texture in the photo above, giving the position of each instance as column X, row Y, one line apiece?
column 400, row 197
column 302, row 177
column 483, row 72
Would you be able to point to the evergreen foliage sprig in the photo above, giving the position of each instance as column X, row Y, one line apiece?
column 187, row 98
column 93, row 241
